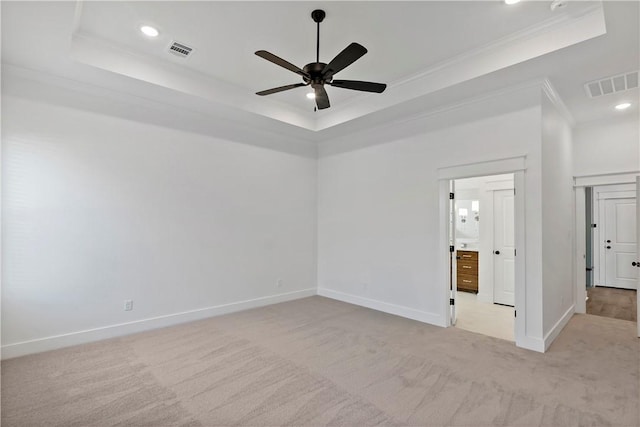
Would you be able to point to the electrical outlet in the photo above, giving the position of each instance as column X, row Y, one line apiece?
column 279, row 283
column 128, row 305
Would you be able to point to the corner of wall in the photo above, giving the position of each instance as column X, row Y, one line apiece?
column 558, row 327
column 558, row 222
column 398, row 310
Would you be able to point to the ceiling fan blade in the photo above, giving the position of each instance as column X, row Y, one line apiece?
column 281, row 62
column 322, row 99
column 280, row 89
column 345, row 58
column 358, row 85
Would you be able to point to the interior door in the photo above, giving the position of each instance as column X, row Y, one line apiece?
column 620, row 243
column 503, row 247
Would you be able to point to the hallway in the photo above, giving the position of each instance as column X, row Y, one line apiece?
column 612, row 302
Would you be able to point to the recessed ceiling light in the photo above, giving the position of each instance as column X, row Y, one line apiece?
column 311, row 95
column 511, row 1
column 623, row 106
column 149, row 31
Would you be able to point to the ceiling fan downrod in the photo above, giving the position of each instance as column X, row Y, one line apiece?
column 318, row 16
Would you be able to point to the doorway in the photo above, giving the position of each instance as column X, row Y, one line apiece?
column 607, row 241
column 517, row 167
column 613, row 293
column 483, row 262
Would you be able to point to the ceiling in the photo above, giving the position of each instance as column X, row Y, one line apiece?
column 423, row 50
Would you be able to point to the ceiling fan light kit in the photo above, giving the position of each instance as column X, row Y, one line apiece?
column 317, row 74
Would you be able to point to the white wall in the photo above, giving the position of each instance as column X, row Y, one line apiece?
column 379, row 215
column 98, row 209
column 557, row 220
column 607, row 146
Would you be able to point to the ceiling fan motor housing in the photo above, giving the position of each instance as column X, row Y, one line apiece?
column 314, row 70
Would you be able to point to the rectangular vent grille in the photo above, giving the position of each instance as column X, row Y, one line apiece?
column 611, row 85
column 180, row 49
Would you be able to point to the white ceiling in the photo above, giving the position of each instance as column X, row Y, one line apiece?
column 403, row 41
column 420, row 49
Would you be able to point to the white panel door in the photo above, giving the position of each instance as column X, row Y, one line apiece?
column 503, row 247
column 620, row 243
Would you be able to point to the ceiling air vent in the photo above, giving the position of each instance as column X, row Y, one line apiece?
column 613, row 84
column 180, row 49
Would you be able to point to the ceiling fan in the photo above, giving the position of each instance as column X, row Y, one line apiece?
column 317, row 74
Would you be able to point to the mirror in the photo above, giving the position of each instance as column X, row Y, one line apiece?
column 467, row 224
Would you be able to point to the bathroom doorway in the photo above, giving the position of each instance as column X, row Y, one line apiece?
column 483, row 259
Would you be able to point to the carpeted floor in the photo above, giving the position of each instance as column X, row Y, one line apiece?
column 317, row 361
column 611, row 302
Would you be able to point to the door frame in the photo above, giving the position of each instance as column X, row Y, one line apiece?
column 517, row 166
column 453, row 273
column 580, row 182
column 638, row 249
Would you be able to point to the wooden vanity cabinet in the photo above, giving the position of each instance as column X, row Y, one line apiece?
column 467, row 271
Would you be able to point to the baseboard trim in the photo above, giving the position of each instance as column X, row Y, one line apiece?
column 398, row 310
column 112, row 331
column 557, row 328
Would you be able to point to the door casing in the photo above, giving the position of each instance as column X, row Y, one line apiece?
column 638, row 249
column 580, row 182
column 517, row 166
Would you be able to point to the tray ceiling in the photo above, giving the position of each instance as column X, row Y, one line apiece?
column 414, row 47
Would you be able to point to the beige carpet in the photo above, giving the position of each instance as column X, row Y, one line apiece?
column 321, row 362
column 611, row 302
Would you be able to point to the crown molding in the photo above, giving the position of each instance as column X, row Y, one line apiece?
column 590, row 15
column 560, row 31
column 548, row 36
column 502, row 101
column 241, row 127
column 555, row 99
column 110, row 57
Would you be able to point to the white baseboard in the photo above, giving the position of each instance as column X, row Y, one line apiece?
column 557, row 328
column 542, row 344
column 112, row 331
column 398, row 310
